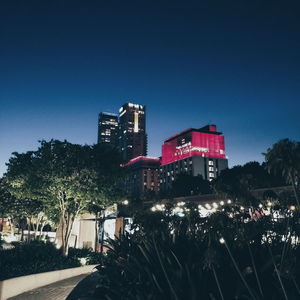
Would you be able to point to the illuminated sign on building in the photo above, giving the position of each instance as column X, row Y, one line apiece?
column 205, row 142
column 136, row 121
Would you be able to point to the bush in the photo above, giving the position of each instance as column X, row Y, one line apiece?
column 219, row 257
column 33, row 257
column 79, row 253
column 92, row 258
column 95, row 258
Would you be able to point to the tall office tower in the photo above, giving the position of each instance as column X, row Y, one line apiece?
column 132, row 131
column 108, row 129
column 194, row 152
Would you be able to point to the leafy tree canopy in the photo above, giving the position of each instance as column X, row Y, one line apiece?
column 283, row 159
column 66, row 178
column 238, row 181
column 84, row 173
column 187, row 185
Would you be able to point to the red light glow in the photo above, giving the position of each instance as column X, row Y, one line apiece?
column 192, row 142
column 141, row 158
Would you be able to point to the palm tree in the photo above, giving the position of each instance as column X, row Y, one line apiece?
column 284, row 159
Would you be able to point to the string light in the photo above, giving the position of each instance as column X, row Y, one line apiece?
column 221, row 240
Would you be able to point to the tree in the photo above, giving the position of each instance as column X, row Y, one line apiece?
column 187, row 185
column 33, row 212
column 6, row 203
column 66, row 177
column 284, row 159
column 239, row 181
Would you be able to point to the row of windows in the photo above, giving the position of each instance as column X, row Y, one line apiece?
column 169, row 173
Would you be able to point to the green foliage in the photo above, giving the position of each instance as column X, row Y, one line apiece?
column 33, row 257
column 171, row 257
column 95, row 258
column 79, row 253
column 7, row 200
column 61, row 169
column 238, row 181
column 66, row 178
column 187, row 185
column 92, row 258
column 284, row 159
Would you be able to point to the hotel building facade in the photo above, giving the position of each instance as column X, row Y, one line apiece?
column 194, row 152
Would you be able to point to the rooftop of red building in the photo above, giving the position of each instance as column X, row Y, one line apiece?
column 142, row 158
column 212, row 129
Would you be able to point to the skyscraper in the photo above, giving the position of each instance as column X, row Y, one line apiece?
column 108, row 129
column 132, row 131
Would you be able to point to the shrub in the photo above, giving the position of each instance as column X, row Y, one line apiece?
column 218, row 257
column 79, row 253
column 95, row 258
column 92, row 258
column 33, row 257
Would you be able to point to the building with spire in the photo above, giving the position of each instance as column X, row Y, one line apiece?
column 132, row 131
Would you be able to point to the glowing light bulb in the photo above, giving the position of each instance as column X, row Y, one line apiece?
column 221, row 240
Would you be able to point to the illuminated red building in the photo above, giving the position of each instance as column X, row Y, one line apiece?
column 195, row 152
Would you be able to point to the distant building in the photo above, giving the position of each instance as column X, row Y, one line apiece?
column 143, row 177
column 194, row 152
column 108, row 129
column 132, row 131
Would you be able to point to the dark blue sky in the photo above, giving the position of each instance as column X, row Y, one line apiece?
column 232, row 63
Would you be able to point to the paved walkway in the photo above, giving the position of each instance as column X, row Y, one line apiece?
column 56, row 291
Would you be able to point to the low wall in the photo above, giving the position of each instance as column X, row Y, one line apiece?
column 18, row 285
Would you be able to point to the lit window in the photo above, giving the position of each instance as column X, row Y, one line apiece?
column 211, row 175
column 211, row 163
column 211, row 168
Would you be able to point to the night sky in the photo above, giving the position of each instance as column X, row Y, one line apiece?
column 232, row 63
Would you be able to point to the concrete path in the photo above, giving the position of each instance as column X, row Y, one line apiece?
column 56, row 291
